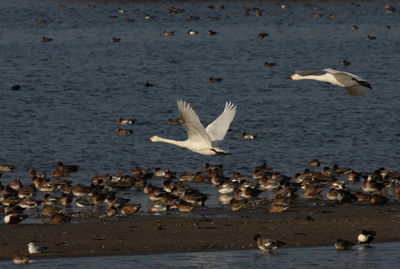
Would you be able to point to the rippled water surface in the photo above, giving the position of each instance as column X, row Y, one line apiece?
column 383, row 255
column 74, row 88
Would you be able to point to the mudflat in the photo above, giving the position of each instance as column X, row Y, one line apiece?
column 308, row 223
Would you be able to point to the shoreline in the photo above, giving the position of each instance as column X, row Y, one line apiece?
column 319, row 223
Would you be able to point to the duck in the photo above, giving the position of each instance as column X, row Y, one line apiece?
column 117, row 202
column 62, row 7
column 266, row 244
column 121, row 132
column 148, row 17
column 147, row 84
column 20, row 259
column 193, row 18
column 275, row 208
column 378, row 199
column 353, row 84
column 345, row 63
column 371, row 37
column 14, row 218
column 192, row 32
column 227, row 188
column 346, row 197
column 236, row 204
column 6, row 168
column 122, row 121
column 60, row 218
column 67, row 168
column 45, row 39
column 120, row 10
column 331, row 16
column 167, row 33
column 174, row 121
column 129, row 20
column 355, row 27
column 267, row 64
column 114, row 39
column 202, row 140
column 316, row 15
column 50, row 210
column 80, row 190
column 211, row 79
column 16, row 184
column 262, row 35
column 33, row 249
column 130, row 209
column 158, row 206
column 50, row 200
column 211, row 32
column 112, row 17
column 366, row 237
column 343, row 244
column 249, row 136
column 314, row 163
column 186, row 207
column 212, row 168
column 353, row 176
column 65, row 199
column 371, row 185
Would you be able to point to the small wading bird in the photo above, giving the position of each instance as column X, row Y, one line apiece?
column 200, row 140
column 353, row 84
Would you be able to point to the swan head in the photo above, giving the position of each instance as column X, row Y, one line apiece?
column 295, row 77
column 154, row 139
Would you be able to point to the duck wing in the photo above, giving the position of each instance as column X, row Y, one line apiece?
column 219, row 127
column 191, row 122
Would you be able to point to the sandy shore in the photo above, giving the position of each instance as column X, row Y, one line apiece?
column 304, row 224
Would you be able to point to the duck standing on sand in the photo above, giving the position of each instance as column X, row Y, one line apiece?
column 366, row 237
column 267, row 244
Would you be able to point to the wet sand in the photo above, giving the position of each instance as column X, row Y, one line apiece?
column 310, row 223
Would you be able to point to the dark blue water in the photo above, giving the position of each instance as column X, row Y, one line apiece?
column 74, row 88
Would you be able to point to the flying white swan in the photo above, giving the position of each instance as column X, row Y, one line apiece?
column 353, row 84
column 200, row 140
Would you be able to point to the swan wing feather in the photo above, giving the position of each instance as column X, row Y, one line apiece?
column 192, row 123
column 219, row 127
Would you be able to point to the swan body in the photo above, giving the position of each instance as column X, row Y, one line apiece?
column 200, row 140
column 353, row 84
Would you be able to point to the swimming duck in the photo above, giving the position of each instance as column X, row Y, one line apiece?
column 40, row 21
column 316, row 15
column 211, row 79
column 371, row 37
column 6, row 167
column 249, row 136
column 120, row 10
column 211, row 32
column 267, row 64
column 20, row 259
column 345, row 63
column 354, row 85
column 200, row 140
column 45, row 39
column 62, row 7
column 331, row 16
column 174, row 121
column 114, row 39
column 167, row 33
column 193, row 18
column 67, row 168
column 147, row 17
column 343, row 244
column 129, row 20
column 366, row 237
column 147, row 84
column 112, row 17
column 192, row 32
column 262, row 35
column 123, row 132
column 267, row 244
column 122, row 121
column 212, row 168
column 354, row 27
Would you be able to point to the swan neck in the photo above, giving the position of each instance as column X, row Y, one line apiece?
column 170, row 141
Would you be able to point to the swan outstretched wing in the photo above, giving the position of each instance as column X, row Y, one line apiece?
column 310, row 72
column 192, row 123
column 331, row 71
column 219, row 127
column 357, row 90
